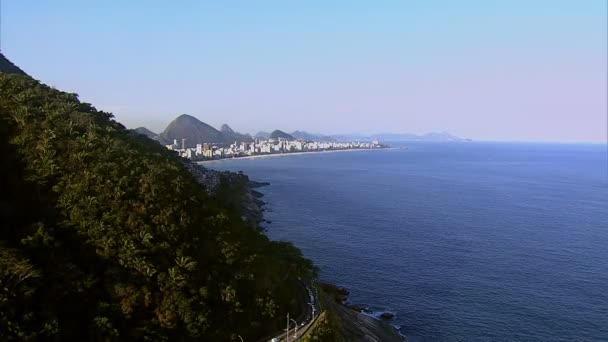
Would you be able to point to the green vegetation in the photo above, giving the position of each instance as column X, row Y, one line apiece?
column 106, row 236
column 324, row 329
column 344, row 323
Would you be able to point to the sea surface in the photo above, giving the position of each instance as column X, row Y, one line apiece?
column 462, row 241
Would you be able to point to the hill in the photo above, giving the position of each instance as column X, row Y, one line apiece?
column 276, row 134
column 8, row 67
column 107, row 236
column 262, row 135
column 146, row 132
column 313, row 137
column 193, row 130
column 225, row 129
column 428, row 137
column 230, row 136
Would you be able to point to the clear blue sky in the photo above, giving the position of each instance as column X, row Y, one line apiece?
column 488, row 70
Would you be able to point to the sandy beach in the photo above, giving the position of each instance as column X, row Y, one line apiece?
column 203, row 162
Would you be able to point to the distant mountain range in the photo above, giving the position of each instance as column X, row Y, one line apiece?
column 232, row 136
column 262, row 135
column 276, row 134
column 314, row 137
column 433, row 136
column 197, row 132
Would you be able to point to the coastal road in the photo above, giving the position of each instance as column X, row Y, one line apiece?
column 310, row 302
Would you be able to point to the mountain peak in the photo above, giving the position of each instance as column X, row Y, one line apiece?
column 226, row 129
column 8, row 67
column 276, row 134
column 186, row 117
column 192, row 130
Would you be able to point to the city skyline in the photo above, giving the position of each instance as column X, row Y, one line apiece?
column 510, row 70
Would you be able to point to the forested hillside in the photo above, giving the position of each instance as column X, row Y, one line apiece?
column 106, row 236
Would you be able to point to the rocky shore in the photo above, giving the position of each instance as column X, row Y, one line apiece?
column 234, row 183
column 253, row 206
column 352, row 323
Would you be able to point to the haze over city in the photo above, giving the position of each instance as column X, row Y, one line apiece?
column 500, row 70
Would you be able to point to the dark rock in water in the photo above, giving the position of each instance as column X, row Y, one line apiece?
column 387, row 315
column 359, row 308
column 355, row 326
column 340, row 294
column 356, row 308
column 253, row 184
column 257, row 194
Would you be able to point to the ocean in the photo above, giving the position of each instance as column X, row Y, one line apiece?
column 462, row 241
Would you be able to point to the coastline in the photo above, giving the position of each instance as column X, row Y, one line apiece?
column 203, row 162
column 354, row 323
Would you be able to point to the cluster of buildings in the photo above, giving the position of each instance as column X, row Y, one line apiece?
column 259, row 147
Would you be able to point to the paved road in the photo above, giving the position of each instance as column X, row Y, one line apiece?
column 306, row 319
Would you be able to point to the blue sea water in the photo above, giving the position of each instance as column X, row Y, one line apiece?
column 463, row 241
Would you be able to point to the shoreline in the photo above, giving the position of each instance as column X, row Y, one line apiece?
column 355, row 324
column 270, row 155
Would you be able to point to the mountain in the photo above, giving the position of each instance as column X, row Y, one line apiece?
column 225, row 129
column 262, row 135
column 310, row 136
column 350, row 137
column 430, row 137
column 108, row 236
column 441, row 136
column 146, row 132
column 276, row 134
column 8, row 67
column 230, row 136
column 193, row 130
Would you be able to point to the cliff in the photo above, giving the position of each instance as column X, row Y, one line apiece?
column 352, row 325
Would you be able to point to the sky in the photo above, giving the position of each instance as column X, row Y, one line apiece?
column 513, row 70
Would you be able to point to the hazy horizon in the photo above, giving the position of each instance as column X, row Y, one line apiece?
column 500, row 71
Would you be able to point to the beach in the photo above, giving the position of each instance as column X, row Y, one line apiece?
column 203, row 162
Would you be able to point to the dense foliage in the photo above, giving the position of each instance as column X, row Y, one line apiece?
column 105, row 235
column 324, row 330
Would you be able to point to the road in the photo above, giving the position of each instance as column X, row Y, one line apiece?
column 310, row 301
